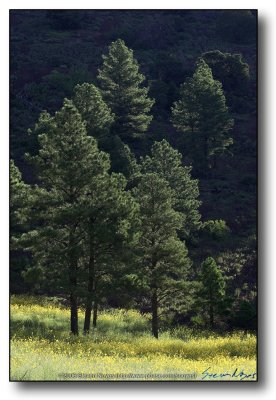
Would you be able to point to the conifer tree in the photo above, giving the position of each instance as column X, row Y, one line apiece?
column 19, row 193
column 167, row 163
column 203, row 112
column 89, row 103
column 85, row 218
column 164, row 261
column 68, row 165
column 213, row 287
column 19, row 208
column 122, row 158
column 110, row 226
column 120, row 82
column 230, row 69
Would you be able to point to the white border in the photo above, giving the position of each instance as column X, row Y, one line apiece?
column 267, row 141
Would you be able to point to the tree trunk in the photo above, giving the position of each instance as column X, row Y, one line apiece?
column 95, row 313
column 74, row 313
column 90, row 287
column 154, row 310
column 87, row 317
column 88, row 308
column 211, row 315
column 74, row 298
column 73, row 286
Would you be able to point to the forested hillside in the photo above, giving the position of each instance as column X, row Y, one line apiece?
column 178, row 131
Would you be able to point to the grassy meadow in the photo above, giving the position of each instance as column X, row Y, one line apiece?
column 120, row 348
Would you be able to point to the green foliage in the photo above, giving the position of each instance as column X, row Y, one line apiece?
column 233, row 73
column 162, row 251
column 212, row 279
column 166, row 44
column 122, row 158
column 217, row 229
column 213, row 287
column 120, row 82
column 74, row 201
column 19, row 210
column 19, row 192
column 163, row 257
column 159, row 90
column 229, row 69
column 89, row 215
column 167, row 163
column 202, row 112
column 110, row 227
column 68, row 158
column 54, row 86
column 70, row 166
column 88, row 101
column 239, row 268
column 185, row 112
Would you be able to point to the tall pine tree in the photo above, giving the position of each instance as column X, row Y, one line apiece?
column 110, row 228
column 19, row 193
column 120, row 82
column 19, row 208
column 68, row 164
column 164, row 261
column 203, row 112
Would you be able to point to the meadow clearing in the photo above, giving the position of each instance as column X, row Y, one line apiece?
column 120, row 348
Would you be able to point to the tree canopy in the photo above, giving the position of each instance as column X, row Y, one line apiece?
column 164, row 260
column 202, row 111
column 120, row 82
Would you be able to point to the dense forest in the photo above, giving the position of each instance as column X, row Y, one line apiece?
column 133, row 163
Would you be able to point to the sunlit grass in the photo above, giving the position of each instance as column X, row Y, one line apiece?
column 42, row 348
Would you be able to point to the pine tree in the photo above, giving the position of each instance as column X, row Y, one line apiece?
column 230, row 70
column 89, row 103
column 122, row 158
column 84, row 215
column 19, row 208
column 68, row 164
column 164, row 261
column 108, row 207
column 111, row 217
column 213, row 286
column 167, row 163
column 19, row 193
column 202, row 111
column 120, row 82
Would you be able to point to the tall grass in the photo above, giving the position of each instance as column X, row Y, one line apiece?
column 42, row 348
